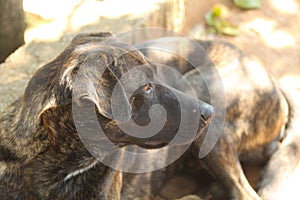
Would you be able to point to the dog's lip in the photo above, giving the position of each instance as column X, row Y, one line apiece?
column 156, row 144
column 204, row 124
column 153, row 144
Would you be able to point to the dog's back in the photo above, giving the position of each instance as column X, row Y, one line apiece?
column 258, row 113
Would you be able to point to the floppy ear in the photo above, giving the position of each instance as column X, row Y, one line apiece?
column 49, row 118
column 94, row 82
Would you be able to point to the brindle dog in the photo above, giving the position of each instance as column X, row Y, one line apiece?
column 261, row 121
column 41, row 153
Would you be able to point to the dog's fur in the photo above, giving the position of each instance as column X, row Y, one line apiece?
column 41, row 154
column 259, row 115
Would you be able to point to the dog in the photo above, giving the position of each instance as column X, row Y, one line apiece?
column 42, row 154
column 260, row 122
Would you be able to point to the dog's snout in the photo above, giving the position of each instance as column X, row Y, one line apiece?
column 206, row 112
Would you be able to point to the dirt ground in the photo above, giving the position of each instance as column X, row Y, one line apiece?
column 270, row 33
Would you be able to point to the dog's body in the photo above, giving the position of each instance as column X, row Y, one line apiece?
column 258, row 114
column 42, row 155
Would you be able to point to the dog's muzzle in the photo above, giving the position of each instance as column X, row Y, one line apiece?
column 206, row 113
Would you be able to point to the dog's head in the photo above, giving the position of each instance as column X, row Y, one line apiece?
column 86, row 73
column 84, row 76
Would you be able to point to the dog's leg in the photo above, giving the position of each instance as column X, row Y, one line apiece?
column 116, row 186
column 278, row 169
column 280, row 166
column 223, row 164
column 285, row 159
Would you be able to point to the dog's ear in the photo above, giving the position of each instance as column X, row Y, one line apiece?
column 94, row 81
column 49, row 118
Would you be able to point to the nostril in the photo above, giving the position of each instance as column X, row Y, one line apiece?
column 206, row 112
column 203, row 117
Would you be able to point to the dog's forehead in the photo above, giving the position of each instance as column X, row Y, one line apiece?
column 111, row 48
column 111, row 55
column 118, row 56
column 115, row 53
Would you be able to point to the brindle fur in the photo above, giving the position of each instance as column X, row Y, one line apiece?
column 41, row 154
column 39, row 145
column 259, row 115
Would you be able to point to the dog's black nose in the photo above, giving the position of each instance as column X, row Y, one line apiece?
column 206, row 112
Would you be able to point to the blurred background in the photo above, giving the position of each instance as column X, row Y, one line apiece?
column 34, row 31
column 269, row 31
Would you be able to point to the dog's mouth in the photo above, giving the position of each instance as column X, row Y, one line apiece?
column 171, row 134
column 201, row 130
column 153, row 145
column 184, row 140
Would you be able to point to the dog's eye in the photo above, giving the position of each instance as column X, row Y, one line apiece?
column 148, row 88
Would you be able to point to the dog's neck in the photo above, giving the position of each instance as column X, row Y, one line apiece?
column 10, row 144
column 81, row 170
column 66, row 161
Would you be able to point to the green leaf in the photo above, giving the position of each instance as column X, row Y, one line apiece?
column 247, row 4
column 213, row 19
column 229, row 30
column 209, row 19
column 216, row 11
